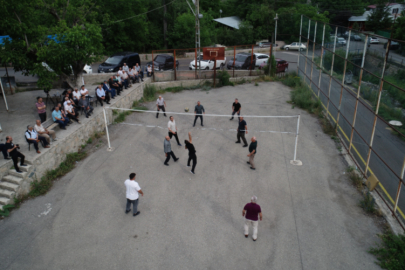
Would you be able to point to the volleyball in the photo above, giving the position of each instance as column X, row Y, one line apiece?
column 186, row 109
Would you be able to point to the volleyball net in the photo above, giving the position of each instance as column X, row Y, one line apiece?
column 255, row 121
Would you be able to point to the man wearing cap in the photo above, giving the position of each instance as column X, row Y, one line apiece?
column 252, row 212
column 160, row 104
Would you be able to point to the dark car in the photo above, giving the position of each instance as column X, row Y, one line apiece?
column 163, row 62
column 393, row 46
column 355, row 38
column 281, row 65
column 243, row 61
column 114, row 62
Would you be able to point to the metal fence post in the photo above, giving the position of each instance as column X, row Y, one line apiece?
column 343, row 81
column 153, row 68
column 233, row 66
column 195, row 65
column 320, row 66
column 299, row 51
column 399, row 186
column 174, row 64
column 331, row 73
column 313, row 50
column 358, row 93
column 306, row 55
column 377, row 106
column 251, row 60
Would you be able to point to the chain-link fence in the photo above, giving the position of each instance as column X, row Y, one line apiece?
column 240, row 61
column 360, row 80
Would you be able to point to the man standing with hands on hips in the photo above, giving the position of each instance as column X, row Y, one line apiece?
column 252, row 151
column 161, row 104
column 198, row 111
column 133, row 191
column 173, row 129
column 236, row 107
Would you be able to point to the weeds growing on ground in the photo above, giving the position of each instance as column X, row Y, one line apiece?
column 368, row 203
column 356, row 179
column 149, row 92
column 391, row 252
column 223, row 77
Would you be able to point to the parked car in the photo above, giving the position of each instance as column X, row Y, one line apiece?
column 393, row 46
column 373, row 40
column 295, row 46
column 261, row 58
column 163, row 62
column 243, row 61
column 206, row 64
column 341, row 41
column 87, row 69
column 114, row 62
column 282, row 65
column 266, row 44
column 355, row 38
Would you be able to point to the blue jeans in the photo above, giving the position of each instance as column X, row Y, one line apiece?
column 62, row 124
column 134, row 205
column 125, row 82
column 112, row 92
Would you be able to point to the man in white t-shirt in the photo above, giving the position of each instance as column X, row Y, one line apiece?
column 84, row 92
column 160, row 104
column 133, row 191
column 171, row 126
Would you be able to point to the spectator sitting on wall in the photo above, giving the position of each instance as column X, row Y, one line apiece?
column 124, row 79
column 125, row 67
column 32, row 137
column 71, row 112
column 64, row 114
column 85, row 104
column 120, row 71
column 132, row 75
column 107, row 88
column 57, row 117
column 139, row 70
column 114, row 84
column 150, row 72
column 101, row 95
column 43, row 132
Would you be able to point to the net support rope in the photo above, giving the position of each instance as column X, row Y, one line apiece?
column 294, row 161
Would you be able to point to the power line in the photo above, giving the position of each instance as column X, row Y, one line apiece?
column 139, row 14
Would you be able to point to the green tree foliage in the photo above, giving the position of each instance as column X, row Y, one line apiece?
column 380, row 18
column 341, row 11
column 290, row 18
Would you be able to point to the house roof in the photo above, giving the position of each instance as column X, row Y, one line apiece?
column 388, row 4
column 232, row 21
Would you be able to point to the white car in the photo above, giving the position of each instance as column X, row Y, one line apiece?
column 295, row 46
column 341, row 41
column 206, row 64
column 261, row 58
column 87, row 69
column 373, row 40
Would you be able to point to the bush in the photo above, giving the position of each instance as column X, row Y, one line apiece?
column 302, row 97
column 223, row 77
column 273, row 67
column 368, row 203
column 391, row 252
column 149, row 92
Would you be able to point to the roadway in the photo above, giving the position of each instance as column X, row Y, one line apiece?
column 388, row 146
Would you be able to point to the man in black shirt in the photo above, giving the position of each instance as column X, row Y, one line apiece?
column 242, row 130
column 114, row 85
column 13, row 152
column 236, row 108
column 191, row 153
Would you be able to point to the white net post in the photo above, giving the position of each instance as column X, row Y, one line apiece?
column 295, row 161
column 106, row 130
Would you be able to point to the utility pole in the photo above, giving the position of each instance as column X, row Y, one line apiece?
column 164, row 24
column 197, row 35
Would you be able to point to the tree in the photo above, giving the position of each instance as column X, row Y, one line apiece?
column 341, row 11
column 379, row 18
column 63, row 34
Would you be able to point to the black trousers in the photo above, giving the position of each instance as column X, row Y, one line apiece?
column 73, row 117
column 15, row 160
column 195, row 119
column 241, row 134
column 3, row 150
column 42, row 140
column 42, row 116
column 175, row 135
column 168, row 156
column 161, row 108
column 107, row 99
column 194, row 159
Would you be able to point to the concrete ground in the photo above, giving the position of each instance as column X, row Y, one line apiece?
column 311, row 218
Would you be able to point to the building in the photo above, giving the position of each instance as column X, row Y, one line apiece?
column 395, row 10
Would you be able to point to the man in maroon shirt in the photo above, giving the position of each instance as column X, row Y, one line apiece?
column 251, row 212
